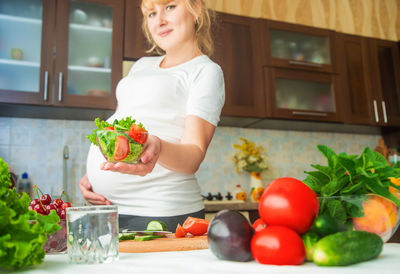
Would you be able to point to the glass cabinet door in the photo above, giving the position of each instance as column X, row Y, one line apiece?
column 20, row 45
column 89, row 52
column 89, row 49
column 302, row 95
column 299, row 47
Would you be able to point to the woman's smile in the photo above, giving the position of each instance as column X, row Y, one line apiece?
column 165, row 32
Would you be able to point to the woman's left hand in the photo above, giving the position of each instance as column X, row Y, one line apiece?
column 148, row 160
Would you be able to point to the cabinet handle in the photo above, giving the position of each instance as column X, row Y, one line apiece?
column 45, row 88
column 300, row 63
column 60, row 78
column 376, row 112
column 384, row 112
column 305, row 113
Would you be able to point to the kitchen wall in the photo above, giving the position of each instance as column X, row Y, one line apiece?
column 371, row 18
column 36, row 146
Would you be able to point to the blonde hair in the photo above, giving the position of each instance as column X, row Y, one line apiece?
column 202, row 25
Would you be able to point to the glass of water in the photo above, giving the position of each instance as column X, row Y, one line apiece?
column 92, row 234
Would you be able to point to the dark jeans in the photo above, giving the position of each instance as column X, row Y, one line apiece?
column 133, row 222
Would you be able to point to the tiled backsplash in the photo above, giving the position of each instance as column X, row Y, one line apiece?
column 36, row 146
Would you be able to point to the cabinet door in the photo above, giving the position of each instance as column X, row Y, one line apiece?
column 135, row 45
column 298, row 47
column 357, row 101
column 236, row 47
column 301, row 95
column 386, row 81
column 26, row 51
column 89, row 52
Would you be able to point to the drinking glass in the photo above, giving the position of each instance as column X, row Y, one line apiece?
column 92, row 234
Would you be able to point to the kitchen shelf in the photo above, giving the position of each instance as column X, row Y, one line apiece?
column 90, row 28
column 220, row 205
column 89, row 69
column 250, row 207
column 20, row 19
column 19, row 63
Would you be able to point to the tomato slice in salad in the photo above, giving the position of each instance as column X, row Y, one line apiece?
column 121, row 148
column 138, row 133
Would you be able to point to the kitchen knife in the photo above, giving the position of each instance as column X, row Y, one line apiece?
column 146, row 232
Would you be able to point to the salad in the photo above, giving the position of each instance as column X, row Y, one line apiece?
column 121, row 141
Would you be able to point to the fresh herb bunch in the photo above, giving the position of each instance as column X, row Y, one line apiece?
column 249, row 157
column 22, row 231
column 119, row 125
column 349, row 175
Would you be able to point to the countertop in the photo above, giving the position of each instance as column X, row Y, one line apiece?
column 215, row 206
column 203, row 261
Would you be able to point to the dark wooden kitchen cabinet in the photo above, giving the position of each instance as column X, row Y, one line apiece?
column 300, row 72
column 237, row 42
column 68, row 53
column 297, row 47
column 385, row 76
column 135, row 44
column 358, row 101
column 369, row 73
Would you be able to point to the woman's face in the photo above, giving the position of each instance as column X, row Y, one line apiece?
column 171, row 25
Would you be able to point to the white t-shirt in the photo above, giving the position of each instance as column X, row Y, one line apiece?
column 160, row 98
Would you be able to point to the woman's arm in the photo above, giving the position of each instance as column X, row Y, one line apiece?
column 184, row 157
column 187, row 156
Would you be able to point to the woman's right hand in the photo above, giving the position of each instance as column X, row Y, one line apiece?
column 86, row 189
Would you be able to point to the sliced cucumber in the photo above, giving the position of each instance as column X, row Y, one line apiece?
column 156, row 226
column 147, row 237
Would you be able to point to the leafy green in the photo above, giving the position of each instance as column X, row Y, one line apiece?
column 119, row 125
column 22, row 231
column 350, row 175
column 100, row 125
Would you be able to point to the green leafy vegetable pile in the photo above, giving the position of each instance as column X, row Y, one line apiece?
column 349, row 175
column 22, row 231
column 121, row 125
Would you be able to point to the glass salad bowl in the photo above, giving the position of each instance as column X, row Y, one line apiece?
column 57, row 242
column 118, row 146
column 367, row 212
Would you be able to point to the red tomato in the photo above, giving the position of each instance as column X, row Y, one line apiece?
column 258, row 224
column 121, row 148
column 289, row 202
column 138, row 133
column 180, row 232
column 196, row 226
column 277, row 245
column 109, row 128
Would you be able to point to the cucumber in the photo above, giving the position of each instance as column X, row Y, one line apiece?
column 310, row 239
column 156, row 226
column 125, row 237
column 347, row 247
column 325, row 225
column 147, row 237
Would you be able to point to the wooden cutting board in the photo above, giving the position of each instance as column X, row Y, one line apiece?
column 164, row 244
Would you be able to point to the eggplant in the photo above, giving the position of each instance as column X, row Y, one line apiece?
column 229, row 236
